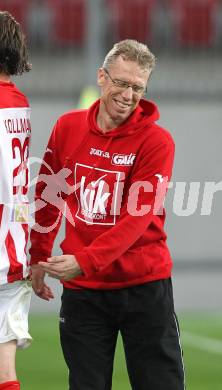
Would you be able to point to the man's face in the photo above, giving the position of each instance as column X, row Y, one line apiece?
column 122, row 86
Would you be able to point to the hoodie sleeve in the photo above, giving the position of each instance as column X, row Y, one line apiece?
column 49, row 204
column 146, row 196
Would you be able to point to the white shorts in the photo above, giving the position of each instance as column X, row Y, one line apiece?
column 14, row 308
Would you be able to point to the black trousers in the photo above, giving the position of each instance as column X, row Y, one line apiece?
column 144, row 315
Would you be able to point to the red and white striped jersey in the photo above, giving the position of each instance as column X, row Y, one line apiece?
column 15, row 130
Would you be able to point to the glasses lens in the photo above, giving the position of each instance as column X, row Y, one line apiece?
column 124, row 85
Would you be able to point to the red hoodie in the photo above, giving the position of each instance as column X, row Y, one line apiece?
column 113, row 226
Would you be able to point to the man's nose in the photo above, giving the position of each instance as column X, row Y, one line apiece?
column 128, row 93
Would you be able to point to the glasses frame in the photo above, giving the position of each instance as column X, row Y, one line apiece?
column 138, row 90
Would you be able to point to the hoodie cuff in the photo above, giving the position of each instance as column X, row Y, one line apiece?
column 86, row 264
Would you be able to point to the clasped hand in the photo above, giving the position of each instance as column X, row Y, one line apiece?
column 63, row 267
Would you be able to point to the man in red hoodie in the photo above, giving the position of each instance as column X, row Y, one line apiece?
column 110, row 166
column 15, row 131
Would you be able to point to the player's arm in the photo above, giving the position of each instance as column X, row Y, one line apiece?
column 47, row 219
column 47, row 215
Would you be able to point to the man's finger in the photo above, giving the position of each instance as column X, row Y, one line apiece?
column 45, row 265
column 56, row 259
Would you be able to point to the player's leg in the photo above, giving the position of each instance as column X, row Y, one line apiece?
column 7, row 361
column 88, row 340
column 15, row 301
column 151, row 338
column 8, row 379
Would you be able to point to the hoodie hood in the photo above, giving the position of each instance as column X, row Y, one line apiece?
column 143, row 116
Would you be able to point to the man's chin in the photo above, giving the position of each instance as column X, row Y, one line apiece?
column 120, row 118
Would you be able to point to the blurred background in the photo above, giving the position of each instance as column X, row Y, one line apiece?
column 68, row 40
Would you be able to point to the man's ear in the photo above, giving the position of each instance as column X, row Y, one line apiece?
column 100, row 77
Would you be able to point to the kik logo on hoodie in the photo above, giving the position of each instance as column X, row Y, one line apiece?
column 98, row 194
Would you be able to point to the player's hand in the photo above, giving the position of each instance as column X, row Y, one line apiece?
column 63, row 267
column 41, row 289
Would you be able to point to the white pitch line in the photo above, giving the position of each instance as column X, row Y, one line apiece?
column 202, row 343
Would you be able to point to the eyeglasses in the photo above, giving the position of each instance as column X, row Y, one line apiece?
column 124, row 85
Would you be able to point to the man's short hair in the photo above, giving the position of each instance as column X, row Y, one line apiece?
column 131, row 50
column 13, row 48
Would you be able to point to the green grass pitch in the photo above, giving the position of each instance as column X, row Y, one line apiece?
column 42, row 367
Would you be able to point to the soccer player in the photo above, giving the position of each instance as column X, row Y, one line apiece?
column 116, row 266
column 15, row 290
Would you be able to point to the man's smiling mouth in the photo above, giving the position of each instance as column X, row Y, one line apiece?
column 121, row 104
